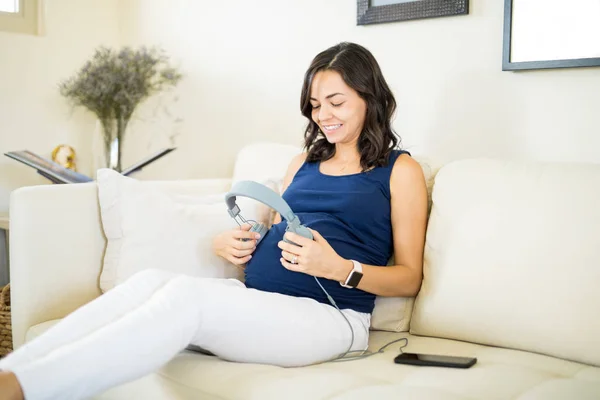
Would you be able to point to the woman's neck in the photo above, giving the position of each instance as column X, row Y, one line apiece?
column 346, row 153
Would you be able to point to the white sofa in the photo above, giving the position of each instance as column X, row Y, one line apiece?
column 512, row 277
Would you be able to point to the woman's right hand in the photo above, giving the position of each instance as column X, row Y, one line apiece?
column 229, row 246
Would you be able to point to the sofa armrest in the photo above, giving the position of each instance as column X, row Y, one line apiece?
column 56, row 250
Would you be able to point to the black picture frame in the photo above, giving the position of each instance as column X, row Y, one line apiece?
column 418, row 9
column 508, row 65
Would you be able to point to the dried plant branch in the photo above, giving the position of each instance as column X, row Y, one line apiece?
column 112, row 84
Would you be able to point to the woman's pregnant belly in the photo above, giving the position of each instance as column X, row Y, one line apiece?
column 265, row 271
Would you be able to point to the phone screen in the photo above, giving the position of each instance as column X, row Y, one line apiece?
column 434, row 360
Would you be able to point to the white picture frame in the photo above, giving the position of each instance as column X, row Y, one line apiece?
column 542, row 34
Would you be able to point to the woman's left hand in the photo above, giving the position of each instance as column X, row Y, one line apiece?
column 313, row 257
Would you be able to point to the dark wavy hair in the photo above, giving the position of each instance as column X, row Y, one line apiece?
column 361, row 72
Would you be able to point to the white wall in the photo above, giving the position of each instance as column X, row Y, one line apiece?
column 244, row 63
column 33, row 115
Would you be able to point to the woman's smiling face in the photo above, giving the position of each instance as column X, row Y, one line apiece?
column 336, row 108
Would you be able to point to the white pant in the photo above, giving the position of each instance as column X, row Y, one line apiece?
column 140, row 325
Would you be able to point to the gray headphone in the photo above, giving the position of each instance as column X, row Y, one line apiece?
column 269, row 197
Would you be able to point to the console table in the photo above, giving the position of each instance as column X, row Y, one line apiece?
column 4, row 269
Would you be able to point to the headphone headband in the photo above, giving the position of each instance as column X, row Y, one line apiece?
column 260, row 193
column 269, row 197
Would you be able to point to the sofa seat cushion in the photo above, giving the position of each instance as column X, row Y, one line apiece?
column 498, row 374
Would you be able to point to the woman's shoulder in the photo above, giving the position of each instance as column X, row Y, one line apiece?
column 406, row 170
column 296, row 163
column 299, row 158
column 293, row 168
column 396, row 153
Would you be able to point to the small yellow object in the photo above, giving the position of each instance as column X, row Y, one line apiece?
column 64, row 155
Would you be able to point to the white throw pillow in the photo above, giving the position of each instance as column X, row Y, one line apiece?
column 148, row 226
column 392, row 314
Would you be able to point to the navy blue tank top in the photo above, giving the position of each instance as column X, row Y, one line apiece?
column 352, row 212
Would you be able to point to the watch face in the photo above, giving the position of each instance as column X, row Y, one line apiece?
column 355, row 278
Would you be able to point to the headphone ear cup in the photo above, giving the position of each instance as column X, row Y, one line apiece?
column 254, row 228
column 302, row 231
column 260, row 229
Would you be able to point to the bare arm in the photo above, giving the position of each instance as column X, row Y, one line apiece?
column 293, row 167
column 409, row 224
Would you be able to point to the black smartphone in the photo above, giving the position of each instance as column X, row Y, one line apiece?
column 433, row 360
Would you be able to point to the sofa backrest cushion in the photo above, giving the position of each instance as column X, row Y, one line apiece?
column 512, row 258
column 264, row 161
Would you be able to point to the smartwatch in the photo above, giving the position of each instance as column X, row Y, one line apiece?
column 354, row 276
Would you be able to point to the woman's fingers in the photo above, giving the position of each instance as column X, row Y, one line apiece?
column 238, row 260
column 290, row 257
column 239, row 234
column 240, row 252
